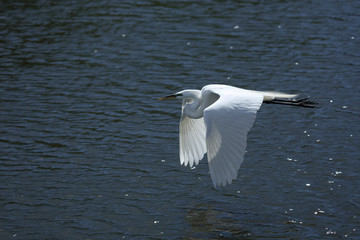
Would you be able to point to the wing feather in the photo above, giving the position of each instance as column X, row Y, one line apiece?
column 228, row 121
column 192, row 140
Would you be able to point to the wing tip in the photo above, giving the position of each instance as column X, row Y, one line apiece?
column 223, row 182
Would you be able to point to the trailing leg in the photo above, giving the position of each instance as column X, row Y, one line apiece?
column 301, row 102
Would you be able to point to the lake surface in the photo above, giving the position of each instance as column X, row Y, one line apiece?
column 87, row 152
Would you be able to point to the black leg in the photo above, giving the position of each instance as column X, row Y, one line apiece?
column 301, row 102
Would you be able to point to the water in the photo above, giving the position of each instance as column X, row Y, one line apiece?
column 87, row 152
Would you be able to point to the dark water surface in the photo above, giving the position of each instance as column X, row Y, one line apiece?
column 87, row 152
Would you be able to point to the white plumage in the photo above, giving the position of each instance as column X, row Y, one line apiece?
column 216, row 121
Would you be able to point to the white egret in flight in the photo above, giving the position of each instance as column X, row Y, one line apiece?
column 216, row 120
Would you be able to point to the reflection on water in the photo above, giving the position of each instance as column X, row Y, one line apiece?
column 208, row 223
column 87, row 152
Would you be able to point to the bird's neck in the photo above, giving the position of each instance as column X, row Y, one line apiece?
column 194, row 107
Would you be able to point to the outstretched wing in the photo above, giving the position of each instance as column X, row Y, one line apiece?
column 228, row 121
column 192, row 139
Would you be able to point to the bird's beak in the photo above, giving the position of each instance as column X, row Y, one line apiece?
column 168, row 97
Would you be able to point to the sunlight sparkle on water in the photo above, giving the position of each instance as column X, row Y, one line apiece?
column 319, row 212
column 336, row 173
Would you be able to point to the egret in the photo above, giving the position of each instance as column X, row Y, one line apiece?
column 216, row 120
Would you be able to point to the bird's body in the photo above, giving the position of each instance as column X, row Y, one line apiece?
column 216, row 120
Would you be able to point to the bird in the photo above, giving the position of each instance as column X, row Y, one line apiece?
column 216, row 120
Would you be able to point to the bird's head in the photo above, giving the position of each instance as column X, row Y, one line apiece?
column 189, row 94
column 175, row 95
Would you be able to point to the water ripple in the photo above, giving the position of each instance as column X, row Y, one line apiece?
column 88, row 152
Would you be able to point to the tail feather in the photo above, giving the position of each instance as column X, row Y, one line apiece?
column 268, row 96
